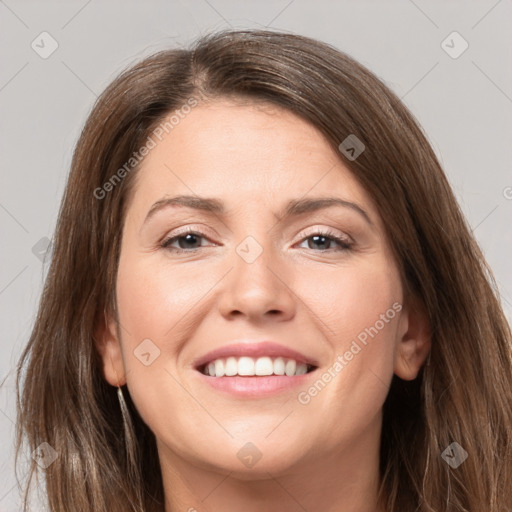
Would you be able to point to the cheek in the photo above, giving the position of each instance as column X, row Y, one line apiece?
column 368, row 322
column 153, row 299
column 349, row 300
column 359, row 311
column 159, row 310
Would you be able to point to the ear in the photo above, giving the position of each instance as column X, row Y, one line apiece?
column 109, row 347
column 413, row 341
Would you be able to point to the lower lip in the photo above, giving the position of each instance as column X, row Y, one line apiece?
column 255, row 386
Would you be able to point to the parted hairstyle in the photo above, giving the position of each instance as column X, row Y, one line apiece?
column 462, row 394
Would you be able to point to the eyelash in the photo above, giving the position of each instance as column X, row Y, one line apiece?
column 343, row 243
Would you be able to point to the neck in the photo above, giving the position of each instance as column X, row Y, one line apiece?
column 345, row 480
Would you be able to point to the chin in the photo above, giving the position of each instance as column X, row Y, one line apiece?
column 254, row 461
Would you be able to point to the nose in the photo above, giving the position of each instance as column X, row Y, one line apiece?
column 259, row 288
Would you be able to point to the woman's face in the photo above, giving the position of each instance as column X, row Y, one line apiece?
column 261, row 286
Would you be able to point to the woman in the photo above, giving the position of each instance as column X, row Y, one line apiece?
column 257, row 369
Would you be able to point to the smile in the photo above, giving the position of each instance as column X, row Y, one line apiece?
column 251, row 367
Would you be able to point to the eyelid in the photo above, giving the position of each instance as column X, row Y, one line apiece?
column 310, row 231
column 203, row 231
column 328, row 230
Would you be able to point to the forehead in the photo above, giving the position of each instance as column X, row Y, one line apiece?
column 243, row 153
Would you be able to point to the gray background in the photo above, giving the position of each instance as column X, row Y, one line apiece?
column 463, row 103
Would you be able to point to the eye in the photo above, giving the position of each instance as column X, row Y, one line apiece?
column 325, row 237
column 189, row 238
column 185, row 239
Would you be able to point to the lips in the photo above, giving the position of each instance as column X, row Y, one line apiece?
column 263, row 349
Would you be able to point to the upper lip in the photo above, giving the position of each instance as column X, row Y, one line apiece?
column 254, row 349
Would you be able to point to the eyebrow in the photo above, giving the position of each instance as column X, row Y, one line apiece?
column 292, row 208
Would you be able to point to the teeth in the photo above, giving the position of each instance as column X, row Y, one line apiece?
column 245, row 366
column 301, row 369
column 290, row 367
column 219, row 368
column 279, row 366
column 249, row 366
column 231, row 367
column 264, row 366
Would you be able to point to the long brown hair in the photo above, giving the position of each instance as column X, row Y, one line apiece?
column 463, row 394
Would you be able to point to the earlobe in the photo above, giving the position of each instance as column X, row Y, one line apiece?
column 109, row 347
column 414, row 341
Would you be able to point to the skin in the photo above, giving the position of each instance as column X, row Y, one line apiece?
column 322, row 455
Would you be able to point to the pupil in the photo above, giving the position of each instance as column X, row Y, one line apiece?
column 188, row 240
column 316, row 237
